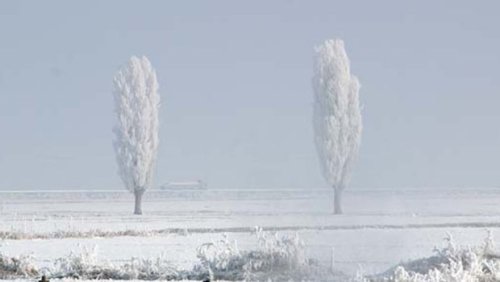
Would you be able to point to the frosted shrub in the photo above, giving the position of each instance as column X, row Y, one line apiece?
column 277, row 257
column 220, row 255
column 86, row 265
column 220, row 260
column 17, row 267
column 451, row 263
column 149, row 269
column 278, row 252
column 83, row 264
column 21, row 266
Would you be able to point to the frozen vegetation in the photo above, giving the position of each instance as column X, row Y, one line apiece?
column 136, row 141
column 452, row 263
column 277, row 257
column 336, row 115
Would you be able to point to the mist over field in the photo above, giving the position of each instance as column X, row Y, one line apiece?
column 249, row 141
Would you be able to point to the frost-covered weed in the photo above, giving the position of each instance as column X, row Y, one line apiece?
column 151, row 269
column 86, row 265
column 451, row 263
column 21, row 266
column 15, row 234
column 83, row 264
column 277, row 257
column 278, row 253
column 220, row 259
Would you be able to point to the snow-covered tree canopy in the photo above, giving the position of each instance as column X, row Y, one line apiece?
column 136, row 134
column 337, row 115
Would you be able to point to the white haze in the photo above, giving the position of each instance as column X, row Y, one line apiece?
column 237, row 104
column 236, row 78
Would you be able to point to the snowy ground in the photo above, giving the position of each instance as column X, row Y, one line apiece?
column 380, row 228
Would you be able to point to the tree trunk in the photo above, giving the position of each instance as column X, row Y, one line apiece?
column 337, row 205
column 138, row 201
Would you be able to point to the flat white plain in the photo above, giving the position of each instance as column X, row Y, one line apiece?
column 381, row 229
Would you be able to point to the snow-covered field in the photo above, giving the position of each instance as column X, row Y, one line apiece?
column 379, row 229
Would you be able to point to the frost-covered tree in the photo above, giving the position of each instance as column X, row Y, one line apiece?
column 337, row 115
column 136, row 133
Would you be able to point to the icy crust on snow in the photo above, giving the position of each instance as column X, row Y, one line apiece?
column 277, row 257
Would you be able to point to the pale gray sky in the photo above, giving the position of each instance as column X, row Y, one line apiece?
column 235, row 82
